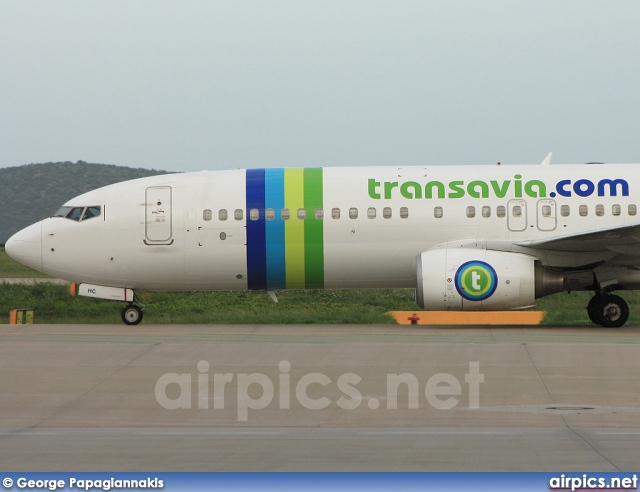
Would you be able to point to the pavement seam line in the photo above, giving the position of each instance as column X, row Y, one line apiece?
column 106, row 378
column 562, row 417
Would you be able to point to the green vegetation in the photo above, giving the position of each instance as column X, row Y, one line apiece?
column 13, row 269
column 35, row 191
column 53, row 304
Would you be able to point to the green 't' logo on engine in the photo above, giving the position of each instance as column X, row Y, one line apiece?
column 476, row 280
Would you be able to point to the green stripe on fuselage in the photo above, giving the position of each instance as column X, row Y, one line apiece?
column 313, row 230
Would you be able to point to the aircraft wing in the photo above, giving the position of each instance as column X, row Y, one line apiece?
column 623, row 239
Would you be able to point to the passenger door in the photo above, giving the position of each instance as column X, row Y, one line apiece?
column 158, row 216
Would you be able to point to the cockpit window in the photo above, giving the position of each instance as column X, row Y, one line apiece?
column 78, row 213
column 63, row 212
column 91, row 212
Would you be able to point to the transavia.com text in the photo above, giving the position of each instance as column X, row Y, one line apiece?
column 176, row 391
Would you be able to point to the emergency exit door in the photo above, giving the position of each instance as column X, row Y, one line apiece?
column 546, row 215
column 517, row 215
column 158, row 225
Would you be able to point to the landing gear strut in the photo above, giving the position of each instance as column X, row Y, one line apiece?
column 608, row 310
column 132, row 313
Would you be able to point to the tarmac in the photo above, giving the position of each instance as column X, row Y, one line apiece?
column 319, row 398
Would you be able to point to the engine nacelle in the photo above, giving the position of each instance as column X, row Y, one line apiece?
column 461, row 279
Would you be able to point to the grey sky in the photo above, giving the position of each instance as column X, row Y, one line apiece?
column 190, row 85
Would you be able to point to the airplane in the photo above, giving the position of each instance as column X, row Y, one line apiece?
column 466, row 238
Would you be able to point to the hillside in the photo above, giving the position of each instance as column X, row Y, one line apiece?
column 32, row 192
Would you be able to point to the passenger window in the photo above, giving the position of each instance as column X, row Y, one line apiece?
column 238, row 214
column 353, row 213
column 222, row 214
column 517, row 211
column 437, row 212
column 599, row 210
column 404, row 213
column 335, row 213
column 371, row 212
column 91, row 212
column 386, row 212
column 254, row 214
column 471, row 212
column 302, row 214
column 616, row 209
column 565, row 210
column 319, row 214
column 583, row 210
column 270, row 214
column 285, row 214
column 486, row 211
column 632, row 209
column 207, row 215
column 501, row 211
column 546, row 210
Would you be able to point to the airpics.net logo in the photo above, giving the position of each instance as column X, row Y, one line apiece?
column 476, row 280
column 246, row 392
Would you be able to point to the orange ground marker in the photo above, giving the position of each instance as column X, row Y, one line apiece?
column 469, row 317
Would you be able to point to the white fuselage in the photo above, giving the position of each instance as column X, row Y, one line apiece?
column 324, row 228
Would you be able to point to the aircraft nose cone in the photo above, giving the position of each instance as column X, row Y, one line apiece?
column 25, row 246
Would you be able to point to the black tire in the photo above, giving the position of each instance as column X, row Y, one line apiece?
column 591, row 309
column 131, row 314
column 611, row 311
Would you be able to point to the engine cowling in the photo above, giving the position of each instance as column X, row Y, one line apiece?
column 463, row 279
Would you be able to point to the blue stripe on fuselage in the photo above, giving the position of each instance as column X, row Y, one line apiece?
column 274, row 198
column 256, row 238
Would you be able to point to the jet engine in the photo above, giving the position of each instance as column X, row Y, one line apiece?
column 464, row 279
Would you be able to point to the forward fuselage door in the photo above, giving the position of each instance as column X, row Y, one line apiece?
column 546, row 215
column 517, row 216
column 158, row 225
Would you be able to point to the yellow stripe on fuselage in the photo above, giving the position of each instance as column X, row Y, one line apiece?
column 294, row 228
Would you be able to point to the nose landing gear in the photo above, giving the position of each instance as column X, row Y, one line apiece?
column 132, row 313
column 608, row 310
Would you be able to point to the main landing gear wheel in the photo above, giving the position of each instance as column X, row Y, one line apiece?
column 610, row 311
column 131, row 314
column 591, row 308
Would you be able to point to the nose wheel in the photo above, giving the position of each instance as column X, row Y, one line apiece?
column 608, row 310
column 131, row 314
